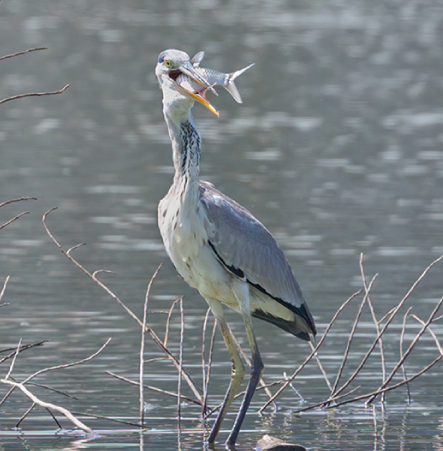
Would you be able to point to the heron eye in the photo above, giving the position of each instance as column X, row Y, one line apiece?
column 168, row 63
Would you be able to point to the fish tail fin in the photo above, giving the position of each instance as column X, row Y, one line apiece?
column 230, row 85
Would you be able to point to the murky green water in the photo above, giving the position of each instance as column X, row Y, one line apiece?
column 337, row 149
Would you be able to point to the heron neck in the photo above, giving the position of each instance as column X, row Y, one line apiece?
column 185, row 146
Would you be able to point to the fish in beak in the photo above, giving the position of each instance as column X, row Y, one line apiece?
column 192, row 84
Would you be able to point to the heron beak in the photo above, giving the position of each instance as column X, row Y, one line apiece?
column 199, row 97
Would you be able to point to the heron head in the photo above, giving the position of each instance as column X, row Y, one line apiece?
column 171, row 63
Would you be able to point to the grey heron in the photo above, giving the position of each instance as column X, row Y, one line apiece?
column 219, row 247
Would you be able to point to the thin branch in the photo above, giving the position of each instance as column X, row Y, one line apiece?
column 351, row 336
column 180, row 371
column 16, row 200
column 142, row 344
column 388, row 322
column 437, row 342
column 155, row 389
column 34, row 94
column 402, row 337
column 411, row 346
column 168, row 320
column 290, row 379
column 153, row 335
column 374, row 319
column 11, row 367
column 12, row 55
column 57, row 367
column 50, row 406
column 22, row 348
column 320, row 366
column 4, row 287
column 13, row 219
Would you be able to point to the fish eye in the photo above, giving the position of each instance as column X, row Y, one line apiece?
column 168, row 63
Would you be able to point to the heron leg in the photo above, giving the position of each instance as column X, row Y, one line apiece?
column 256, row 366
column 237, row 372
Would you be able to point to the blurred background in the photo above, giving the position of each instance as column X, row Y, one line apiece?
column 337, row 149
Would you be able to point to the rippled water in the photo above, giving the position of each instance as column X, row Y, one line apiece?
column 337, row 149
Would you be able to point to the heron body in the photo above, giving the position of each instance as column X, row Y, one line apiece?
column 217, row 246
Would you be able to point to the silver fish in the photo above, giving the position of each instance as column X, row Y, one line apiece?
column 213, row 77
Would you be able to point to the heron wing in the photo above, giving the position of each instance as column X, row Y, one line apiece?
column 248, row 250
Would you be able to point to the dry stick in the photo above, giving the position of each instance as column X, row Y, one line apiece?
column 168, row 320
column 440, row 349
column 11, row 366
column 23, row 348
column 34, row 94
column 374, row 393
column 394, row 312
column 323, row 371
column 153, row 335
column 47, row 387
column 18, row 216
column 57, row 367
column 13, row 219
column 392, row 387
column 22, row 52
column 351, row 336
column 158, row 390
column 142, row 344
column 25, row 414
column 102, row 417
column 50, row 406
column 290, row 379
column 374, row 319
column 17, row 200
column 402, row 337
column 179, row 383
column 408, row 351
column 4, row 287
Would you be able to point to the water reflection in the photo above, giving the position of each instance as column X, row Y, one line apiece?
column 337, row 149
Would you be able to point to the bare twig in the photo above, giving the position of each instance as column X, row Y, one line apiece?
column 57, row 367
column 50, row 406
column 168, row 321
column 11, row 366
column 142, row 344
column 437, row 342
column 320, row 366
column 179, row 383
column 34, row 94
column 13, row 219
column 4, row 287
column 351, row 336
column 402, row 337
column 374, row 319
column 16, row 200
column 155, row 389
column 12, row 55
column 153, row 335
column 292, row 377
column 22, row 348
column 388, row 322
column 408, row 351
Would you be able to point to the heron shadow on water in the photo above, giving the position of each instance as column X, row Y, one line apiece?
column 216, row 245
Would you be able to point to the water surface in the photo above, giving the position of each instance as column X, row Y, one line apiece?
column 337, row 149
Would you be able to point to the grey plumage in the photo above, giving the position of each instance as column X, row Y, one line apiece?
column 216, row 245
